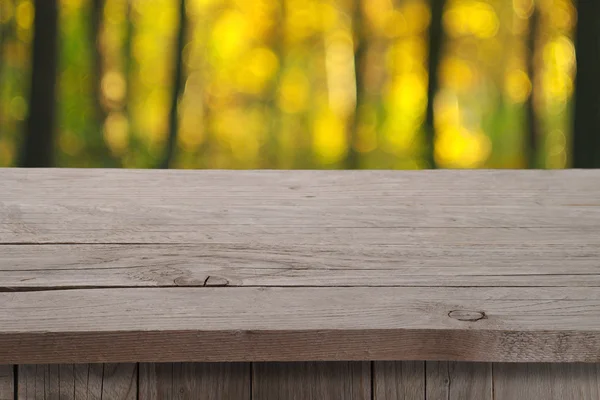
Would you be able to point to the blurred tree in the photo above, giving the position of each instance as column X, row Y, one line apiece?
column 95, row 30
column 360, row 52
column 101, row 112
column 178, row 80
column 586, row 133
column 436, row 35
column 38, row 148
column 531, row 142
column 271, row 147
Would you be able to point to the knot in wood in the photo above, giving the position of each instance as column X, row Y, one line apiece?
column 467, row 315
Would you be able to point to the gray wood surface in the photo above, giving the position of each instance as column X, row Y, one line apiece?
column 468, row 264
column 267, row 324
column 194, row 381
column 546, row 381
column 297, row 207
column 459, row 381
column 6, row 382
column 129, row 265
column 395, row 380
column 311, row 381
column 79, row 381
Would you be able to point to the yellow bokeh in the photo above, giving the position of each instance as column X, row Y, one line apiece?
column 400, row 133
column 71, row 5
column 557, row 86
column 457, row 147
column 457, row 74
column 560, row 52
column 523, row 8
column 408, row 93
column 329, row 138
column 114, row 86
column 294, row 91
column 517, row 85
column 302, row 19
column 563, row 14
column 406, row 55
column 259, row 67
column 229, row 36
column 240, row 131
column 476, row 18
column 116, row 133
column 417, row 17
column 24, row 14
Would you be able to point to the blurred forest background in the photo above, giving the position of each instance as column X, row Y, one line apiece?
column 399, row 84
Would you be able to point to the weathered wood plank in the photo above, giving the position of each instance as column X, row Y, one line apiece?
column 547, row 381
column 206, row 381
column 275, row 207
column 524, row 264
column 311, row 381
column 459, row 381
column 289, row 324
column 399, row 380
column 7, row 390
column 79, row 381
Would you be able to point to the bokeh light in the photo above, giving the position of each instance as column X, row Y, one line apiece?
column 297, row 83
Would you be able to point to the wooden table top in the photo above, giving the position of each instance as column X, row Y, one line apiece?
column 130, row 265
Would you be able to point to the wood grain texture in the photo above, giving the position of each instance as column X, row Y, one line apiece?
column 288, row 324
column 459, row 381
column 546, row 381
column 7, row 390
column 202, row 381
column 294, row 207
column 525, row 264
column 79, row 381
column 311, row 381
column 173, row 266
column 395, row 380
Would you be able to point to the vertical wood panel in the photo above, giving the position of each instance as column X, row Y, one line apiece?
column 399, row 380
column 78, row 381
column 458, row 381
column 7, row 390
column 311, row 381
column 547, row 381
column 201, row 381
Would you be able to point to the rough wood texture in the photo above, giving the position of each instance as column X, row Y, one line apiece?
column 80, row 381
column 296, row 207
column 125, row 265
column 468, row 264
column 266, row 324
column 399, row 380
column 205, row 381
column 311, row 381
column 6, row 382
column 459, row 381
column 547, row 381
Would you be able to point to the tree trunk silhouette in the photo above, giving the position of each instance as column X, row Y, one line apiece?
column 38, row 148
column 360, row 52
column 531, row 143
column 436, row 37
column 586, row 132
column 177, row 88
